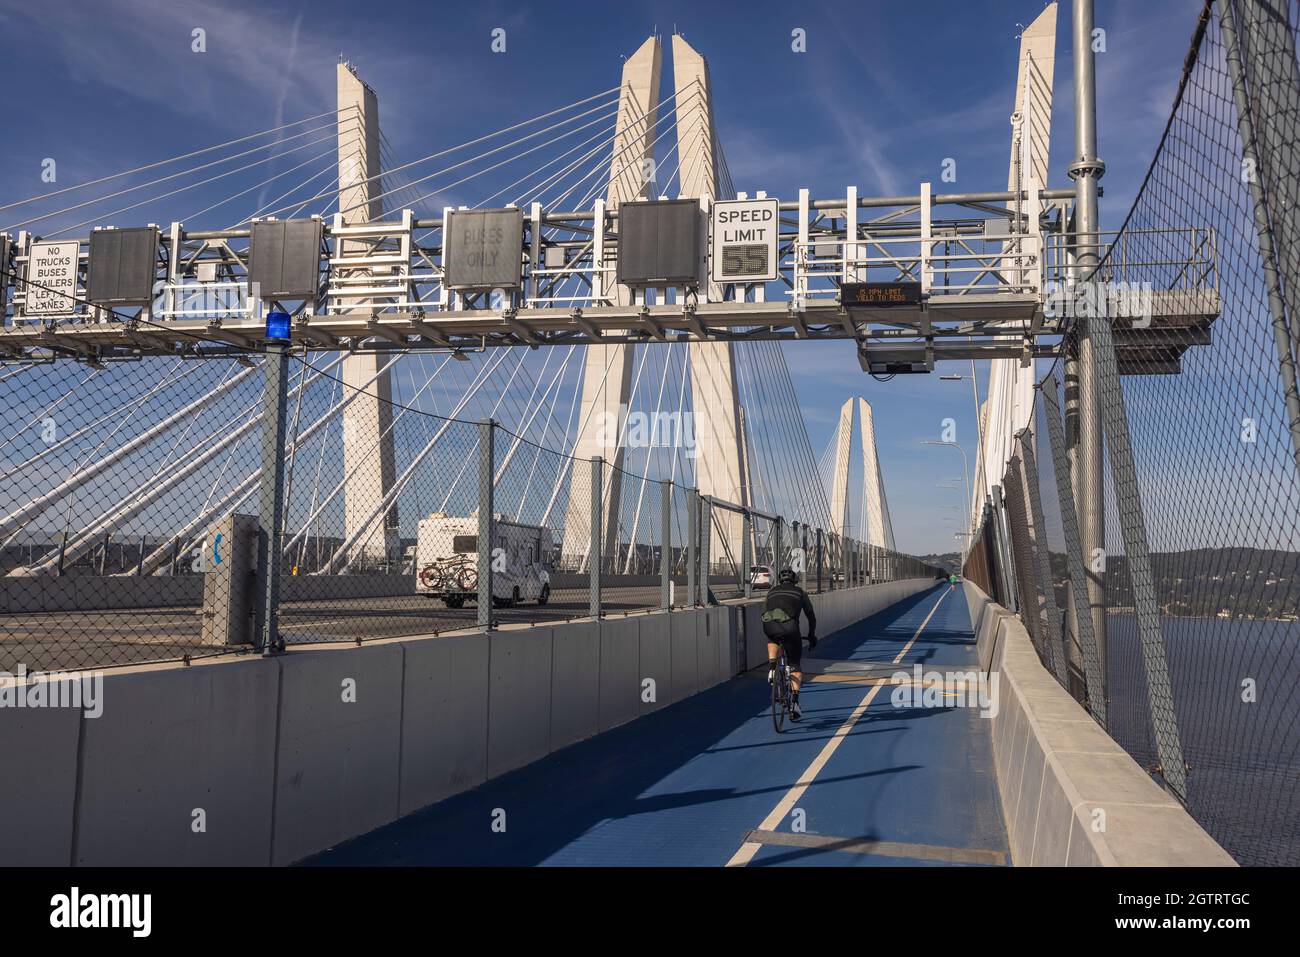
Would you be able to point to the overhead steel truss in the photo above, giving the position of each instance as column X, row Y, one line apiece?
column 986, row 271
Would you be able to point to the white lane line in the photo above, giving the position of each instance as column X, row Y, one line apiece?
column 747, row 850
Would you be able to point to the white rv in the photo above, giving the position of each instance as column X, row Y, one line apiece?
column 446, row 560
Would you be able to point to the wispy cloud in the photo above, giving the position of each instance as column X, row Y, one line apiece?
column 142, row 49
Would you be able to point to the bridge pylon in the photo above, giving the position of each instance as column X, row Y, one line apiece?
column 1010, row 390
column 720, row 463
column 607, row 368
column 368, row 462
column 878, row 529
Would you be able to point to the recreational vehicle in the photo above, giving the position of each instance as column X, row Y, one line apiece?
column 446, row 560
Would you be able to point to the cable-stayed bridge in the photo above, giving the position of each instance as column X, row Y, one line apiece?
column 368, row 410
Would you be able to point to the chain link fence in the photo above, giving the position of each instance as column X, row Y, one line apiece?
column 139, row 496
column 1194, row 674
column 112, row 476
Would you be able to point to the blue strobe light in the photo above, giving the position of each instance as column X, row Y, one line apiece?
column 277, row 326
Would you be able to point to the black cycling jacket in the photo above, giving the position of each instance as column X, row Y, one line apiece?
column 792, row 600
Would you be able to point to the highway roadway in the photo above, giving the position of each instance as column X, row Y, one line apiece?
column 708, row 781
column 103, row 638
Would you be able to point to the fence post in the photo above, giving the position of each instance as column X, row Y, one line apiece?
column 594, row 562
column 776, row 550
column 1004, row 549
column 1082, row 616
column 746, row 559
column 706, row 543
column 666, row 544
column 802, row 535
column 819, row 539
column 486, row 505
column 1128, row 501
column 1041, row 562
column 1276, row 137
column 692, row 542
column 270, row 511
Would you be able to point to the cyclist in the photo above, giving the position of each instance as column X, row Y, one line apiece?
column 781, row 625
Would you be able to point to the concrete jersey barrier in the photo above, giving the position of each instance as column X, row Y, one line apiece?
column 1071, row 796
column 242, row 760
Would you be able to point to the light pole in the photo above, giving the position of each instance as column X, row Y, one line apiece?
column 270, row 510
column 1081, row 367
column 958, row 514
column 975, row 400
column 965, row 467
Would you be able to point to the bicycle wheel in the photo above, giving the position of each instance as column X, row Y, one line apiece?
column 778, row 697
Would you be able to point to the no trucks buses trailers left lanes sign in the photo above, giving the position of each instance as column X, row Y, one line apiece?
column 51, row 279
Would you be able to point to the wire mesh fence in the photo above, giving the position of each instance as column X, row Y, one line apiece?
column 1200, row 569
column 633, row 556
column 107, row 476
column 138, row 493
column 379, row 519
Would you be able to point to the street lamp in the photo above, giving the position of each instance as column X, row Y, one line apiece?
column 974, row 393
column 964, row 465
column 979, row 421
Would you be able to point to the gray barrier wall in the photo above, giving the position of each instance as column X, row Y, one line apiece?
column 249, row 760
column 52, row 593
column 1071, row 796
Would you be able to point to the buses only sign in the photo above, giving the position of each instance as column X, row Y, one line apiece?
column 744, row 240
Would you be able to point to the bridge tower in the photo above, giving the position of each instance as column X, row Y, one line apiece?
column 1010, row 392
column 607, row 370
column 720, row 466
column 367, row 440
column 1009, row 398
column 878, row 530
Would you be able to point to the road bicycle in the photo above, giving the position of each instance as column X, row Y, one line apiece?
column 781, row 694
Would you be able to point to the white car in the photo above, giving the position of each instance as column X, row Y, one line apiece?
column 760, row 576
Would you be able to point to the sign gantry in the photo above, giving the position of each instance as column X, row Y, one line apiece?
column 535, row 277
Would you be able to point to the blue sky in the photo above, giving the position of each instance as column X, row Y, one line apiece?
column 885, row 92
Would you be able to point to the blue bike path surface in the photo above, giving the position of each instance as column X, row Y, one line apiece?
column 857, row 782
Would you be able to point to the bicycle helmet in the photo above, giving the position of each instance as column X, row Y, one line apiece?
column 788, row 576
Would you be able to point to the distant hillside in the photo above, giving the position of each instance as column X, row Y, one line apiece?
column 1205, row 582
column 949, row 561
